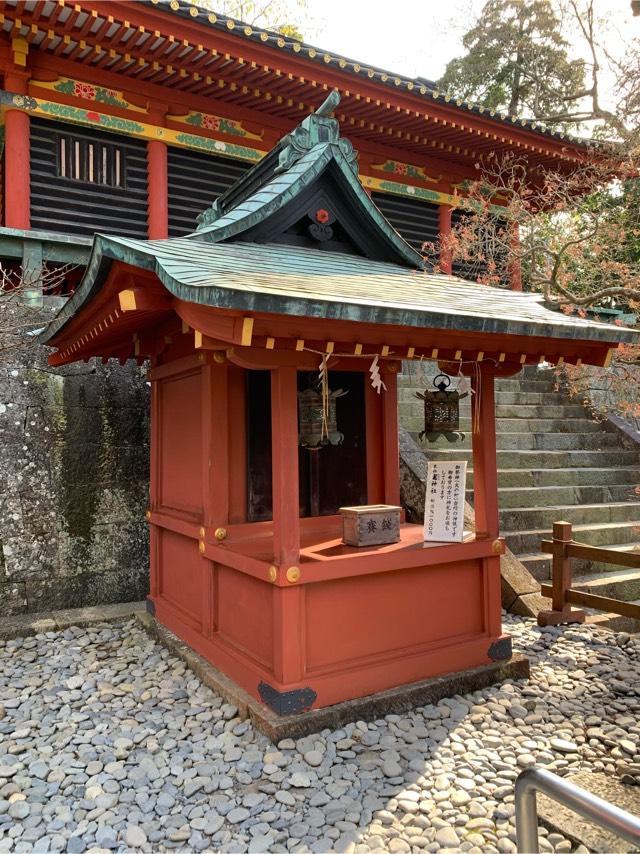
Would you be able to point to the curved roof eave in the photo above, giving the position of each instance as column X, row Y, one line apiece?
column 419, row 86
column 331, row 286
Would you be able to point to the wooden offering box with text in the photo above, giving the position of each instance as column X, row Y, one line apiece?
column 371, row 525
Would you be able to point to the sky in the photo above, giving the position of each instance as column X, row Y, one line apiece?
column 418, row 37
column 412, row 37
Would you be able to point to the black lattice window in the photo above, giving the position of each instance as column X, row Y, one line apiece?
column 91, row 162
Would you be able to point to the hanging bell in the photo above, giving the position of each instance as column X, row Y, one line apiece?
column 441, row 411
column 313, row 432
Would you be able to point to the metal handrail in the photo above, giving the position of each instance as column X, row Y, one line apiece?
column 589, row 806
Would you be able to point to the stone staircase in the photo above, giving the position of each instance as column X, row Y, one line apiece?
column 554, row 463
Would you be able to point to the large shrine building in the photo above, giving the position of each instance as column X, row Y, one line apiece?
column 132, row 117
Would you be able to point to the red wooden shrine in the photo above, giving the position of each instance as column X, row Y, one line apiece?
column 294, row 264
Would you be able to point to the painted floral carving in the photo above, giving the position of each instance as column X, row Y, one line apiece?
column 399, row 168
column 77, row 114
column 408, row 190
column 84, row 90
column 217, row 123
column 91, row 93
column 205, row 144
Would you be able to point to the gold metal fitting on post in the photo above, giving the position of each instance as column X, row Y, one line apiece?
column 219, row 357
column 272, row 574
column 202, row 532
column 293, row 574
column 498, row 548
column 220, row 533
column 147, row 515
column 201, row 547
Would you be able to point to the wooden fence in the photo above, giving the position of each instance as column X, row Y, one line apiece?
column 563, row 549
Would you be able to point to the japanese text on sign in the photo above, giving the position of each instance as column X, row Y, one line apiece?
column 444, row 502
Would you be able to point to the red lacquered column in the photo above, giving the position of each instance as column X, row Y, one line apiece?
column 391, row 452
column 287, row 601
column 485, row 465
column 16, row 148
column 158, row 192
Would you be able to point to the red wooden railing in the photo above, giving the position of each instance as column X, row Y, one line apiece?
column 563, row 548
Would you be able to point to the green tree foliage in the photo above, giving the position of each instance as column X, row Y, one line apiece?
column 516, row 60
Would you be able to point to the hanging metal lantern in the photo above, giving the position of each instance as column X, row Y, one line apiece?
column 318, row 419
column 441, row 411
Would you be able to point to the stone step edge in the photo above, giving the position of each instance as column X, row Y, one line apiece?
column 563, row 468
column 545, row 532
column 448, row 449
column 562, row 507
column 512, row 489
column 619, row 574
column 27, row 625
column 540, row 556
column 613, row 622
column 554, row 433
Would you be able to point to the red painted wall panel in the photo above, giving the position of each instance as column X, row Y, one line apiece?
column 180, row 575
column 181, row 443
column 393, row 612
column 244, row 614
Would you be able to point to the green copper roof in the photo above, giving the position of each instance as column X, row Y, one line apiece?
column 311, row 283
column 311, row 153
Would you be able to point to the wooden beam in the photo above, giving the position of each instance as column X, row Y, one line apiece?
column 143, row 299
column 246, row 332
column 600, row 603
column 596, row 553
column 267, row 359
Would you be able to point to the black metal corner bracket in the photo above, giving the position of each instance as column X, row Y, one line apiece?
column 287, row 702
column 500, row 650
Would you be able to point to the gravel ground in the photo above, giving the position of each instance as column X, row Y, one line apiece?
column 108, row 742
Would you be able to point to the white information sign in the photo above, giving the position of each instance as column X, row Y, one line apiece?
column 444, row 502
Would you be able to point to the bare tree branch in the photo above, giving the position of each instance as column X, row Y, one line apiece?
column 23, row 303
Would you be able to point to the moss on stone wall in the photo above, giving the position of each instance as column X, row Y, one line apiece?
column 73, row 484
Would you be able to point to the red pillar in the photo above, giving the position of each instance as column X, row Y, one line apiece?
column 284, row 462
column 16, row 147
column 391, row 453
column 215, row 444
column 287, row 601
column 485, row 474
column 444, row 227
column 158, row 192
column 154, row 490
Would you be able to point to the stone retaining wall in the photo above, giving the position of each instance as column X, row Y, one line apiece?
column 73, row 484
